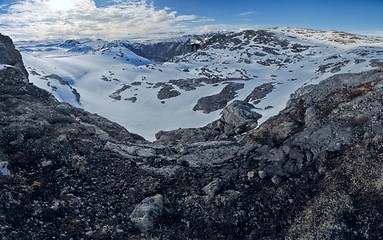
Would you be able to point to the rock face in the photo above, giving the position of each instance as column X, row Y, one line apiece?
column 312, row 172
column 218, row 101
column 259, row 92
column 162, row 51
column 236, row 118
column 10, row 56
column 239, row 117
column 167, row 91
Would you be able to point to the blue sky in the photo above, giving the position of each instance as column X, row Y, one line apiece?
column 41, row 19
column 348, row 15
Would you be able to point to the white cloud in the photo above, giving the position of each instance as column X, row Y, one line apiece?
column 48, row 19
column 245, row 13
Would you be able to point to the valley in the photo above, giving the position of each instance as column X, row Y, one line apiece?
column 131, row 84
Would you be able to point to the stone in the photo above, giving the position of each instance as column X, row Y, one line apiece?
column 250, row 175
column 4, row 168
column 63, row 108
column 147, row 213
column 213, row 188
column 262, row 174
column 239, row 113
column 276, row 180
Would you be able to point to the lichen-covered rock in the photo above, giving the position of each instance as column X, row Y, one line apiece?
column 147, row 212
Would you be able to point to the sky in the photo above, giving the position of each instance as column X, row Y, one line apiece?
column 130, row 19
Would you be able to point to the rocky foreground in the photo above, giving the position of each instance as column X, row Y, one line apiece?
column 312, row 172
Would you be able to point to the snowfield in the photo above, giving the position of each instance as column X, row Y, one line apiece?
column 109, row 79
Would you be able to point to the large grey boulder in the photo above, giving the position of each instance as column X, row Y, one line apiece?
column 238, row 117
column 147, row 212
column 10, row 56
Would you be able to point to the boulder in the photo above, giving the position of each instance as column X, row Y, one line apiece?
column 238, row 117
column 147, row 212
column 10, row 56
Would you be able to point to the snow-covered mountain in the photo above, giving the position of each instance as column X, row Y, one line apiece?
column 148, row 87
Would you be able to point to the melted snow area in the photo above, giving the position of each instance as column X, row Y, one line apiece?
column 109, row 79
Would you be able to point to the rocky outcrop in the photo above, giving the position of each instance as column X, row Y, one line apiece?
column 218, row 101
column 238, row 117
column 162, row 51
column 319, row 122
column 259, row 92
column 48, row 148
column 167, row 91
column 10, row 56
column 311, row 172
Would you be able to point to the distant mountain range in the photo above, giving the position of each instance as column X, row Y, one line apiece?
column 182, row 83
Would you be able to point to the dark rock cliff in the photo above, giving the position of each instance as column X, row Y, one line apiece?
column 312, row 172
column 160, row 52
column 10, row 56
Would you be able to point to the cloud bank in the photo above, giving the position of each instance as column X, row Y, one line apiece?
column 54, row 19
